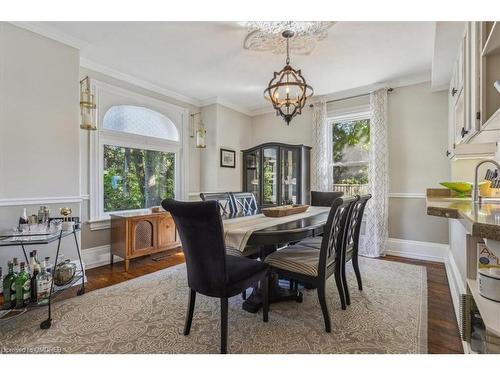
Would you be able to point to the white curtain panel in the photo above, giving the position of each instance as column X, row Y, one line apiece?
column 378, row 178
column 321, row 153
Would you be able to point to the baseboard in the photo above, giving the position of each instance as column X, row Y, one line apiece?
column 97, row 256
column 430, row 251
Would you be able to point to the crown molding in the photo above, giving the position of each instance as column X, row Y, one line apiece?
column 45, row 30
column 89, row 64
column 226, row 103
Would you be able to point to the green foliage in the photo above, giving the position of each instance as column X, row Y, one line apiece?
column 345, row 135
column 349, row 134
column 135, row 178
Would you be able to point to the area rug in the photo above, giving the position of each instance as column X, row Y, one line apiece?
column 146, row 315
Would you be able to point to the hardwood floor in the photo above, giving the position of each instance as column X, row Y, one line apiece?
column 443, row 335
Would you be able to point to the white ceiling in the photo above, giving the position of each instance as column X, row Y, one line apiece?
column 203, row 60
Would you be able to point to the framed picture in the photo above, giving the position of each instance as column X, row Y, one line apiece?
column 227, row 158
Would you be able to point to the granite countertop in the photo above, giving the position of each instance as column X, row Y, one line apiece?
column 481, row 220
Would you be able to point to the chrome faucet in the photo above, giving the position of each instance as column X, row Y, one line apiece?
column 475, row 196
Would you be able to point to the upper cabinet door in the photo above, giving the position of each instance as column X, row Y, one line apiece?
column 289, row 175
column 460, row 92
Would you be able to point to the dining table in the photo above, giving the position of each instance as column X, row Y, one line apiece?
column 269, row 234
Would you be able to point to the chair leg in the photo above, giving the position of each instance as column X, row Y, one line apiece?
column 223, row 325
column 355, row 265
column 265, row 290
column 189, row 316
column 340, row 288
column 324, row 308
column 346, row 286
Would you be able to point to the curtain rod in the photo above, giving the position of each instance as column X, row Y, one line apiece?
column 390, row 89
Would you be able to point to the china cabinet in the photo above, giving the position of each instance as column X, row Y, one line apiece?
column 277, row 173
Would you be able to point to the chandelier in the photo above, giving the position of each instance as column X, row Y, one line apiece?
column 288, row 90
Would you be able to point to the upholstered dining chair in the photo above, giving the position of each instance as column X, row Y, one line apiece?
column 210, row 271
column 243, row 203
column 223, row 200
column 352, row 245
column 315, row 266
column 324, row 198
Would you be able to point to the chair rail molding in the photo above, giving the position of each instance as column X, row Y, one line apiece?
column 27, row 201
column 407, row 195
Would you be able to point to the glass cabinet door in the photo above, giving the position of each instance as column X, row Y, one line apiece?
column 252, row 171
column 270, row 176
column 289, row 175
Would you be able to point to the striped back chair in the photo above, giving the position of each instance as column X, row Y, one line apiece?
column 315, row 266
column 244, row 203
column 223, row 199
column 324, row 198
column 352, row 244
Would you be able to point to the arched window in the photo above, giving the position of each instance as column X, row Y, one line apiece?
column 140, row 121
column 137, row 172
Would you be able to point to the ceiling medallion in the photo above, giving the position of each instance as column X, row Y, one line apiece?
column 288, row 90
column 267, row 36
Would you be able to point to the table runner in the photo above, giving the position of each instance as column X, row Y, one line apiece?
column 237, row 231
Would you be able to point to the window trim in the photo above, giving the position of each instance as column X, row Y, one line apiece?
column 98, row 218
column 345, row 115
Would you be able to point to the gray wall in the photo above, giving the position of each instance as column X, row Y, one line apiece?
column 418, row 136
column 39, row 128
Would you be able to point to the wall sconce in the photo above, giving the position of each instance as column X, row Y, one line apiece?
column 198, row 130
column 87, row 106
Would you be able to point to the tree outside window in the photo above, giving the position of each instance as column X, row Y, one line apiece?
column 351, row 146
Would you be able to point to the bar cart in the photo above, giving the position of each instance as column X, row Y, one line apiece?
column 26, row 239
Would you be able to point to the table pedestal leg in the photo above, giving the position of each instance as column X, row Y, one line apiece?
column 277, row 294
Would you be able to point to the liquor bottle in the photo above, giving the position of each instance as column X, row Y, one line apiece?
column 43, row 284
column 23, row 219
column 22, row 282
column 35, row 270
column 9, row 294
column 16, row 265
column 13, row 294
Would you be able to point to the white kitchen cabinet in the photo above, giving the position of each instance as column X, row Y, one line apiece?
column 470, row 96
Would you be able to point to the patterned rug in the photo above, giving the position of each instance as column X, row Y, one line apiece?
column 146, row 315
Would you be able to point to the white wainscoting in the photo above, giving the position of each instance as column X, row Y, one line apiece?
column 430, row 251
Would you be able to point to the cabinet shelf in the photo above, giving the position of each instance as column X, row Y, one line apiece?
column 492, row 45
column 489, row 310
column 493, row 123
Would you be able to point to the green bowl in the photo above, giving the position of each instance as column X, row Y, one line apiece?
column 460, row 187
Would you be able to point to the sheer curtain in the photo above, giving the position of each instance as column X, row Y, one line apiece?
column 321, row 153
column 376, row 233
